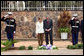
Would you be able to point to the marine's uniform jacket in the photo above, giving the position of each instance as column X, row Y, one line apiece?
column 11, row 25
column 75, row 24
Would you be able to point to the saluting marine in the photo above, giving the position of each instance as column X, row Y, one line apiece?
column 10, row 27
column 75, row 24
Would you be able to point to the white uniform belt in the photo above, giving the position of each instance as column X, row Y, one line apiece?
column 75, row 26
column 10, row 25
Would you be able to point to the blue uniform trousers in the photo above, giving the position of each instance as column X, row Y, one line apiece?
column 75, row 38
column 10, row 36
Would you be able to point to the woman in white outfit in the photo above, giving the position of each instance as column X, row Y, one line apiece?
column 40, row 31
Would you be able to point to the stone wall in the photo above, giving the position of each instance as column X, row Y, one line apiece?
column 26, row 22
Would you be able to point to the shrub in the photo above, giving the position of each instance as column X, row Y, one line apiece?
column 80, row 46
column 74, row 47
column 21, row 47
column 2, row 49
column 69, row 46
column 54, row 48
column 42, row 48
column 7, row 44
column 30, row 48
column 64, row 29
column 77, row 46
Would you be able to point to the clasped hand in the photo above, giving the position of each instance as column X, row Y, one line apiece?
column 47, row 30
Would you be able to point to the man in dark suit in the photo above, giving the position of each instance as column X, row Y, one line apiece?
column 48, row 25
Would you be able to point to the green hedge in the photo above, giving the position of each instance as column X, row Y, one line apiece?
column 30, row 48
column 77, row 46
column 22, row 48
column 7, row 44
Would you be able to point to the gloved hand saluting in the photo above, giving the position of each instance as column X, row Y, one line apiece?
column 14, row 31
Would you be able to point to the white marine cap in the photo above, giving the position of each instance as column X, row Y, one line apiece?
column 75, row 15
column 10, row 13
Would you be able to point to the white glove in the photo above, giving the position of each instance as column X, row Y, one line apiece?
column 72, row 18
column 14, row 31
column 5, row 15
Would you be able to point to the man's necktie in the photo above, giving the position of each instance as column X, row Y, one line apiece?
column 47, row 21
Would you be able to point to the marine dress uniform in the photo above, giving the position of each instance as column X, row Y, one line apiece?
column 10, row 27
column 75, row 24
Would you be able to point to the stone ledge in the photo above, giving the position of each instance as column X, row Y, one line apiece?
column 35, row 39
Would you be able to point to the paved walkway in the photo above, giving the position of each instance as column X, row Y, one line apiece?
column 35, row 43
column 61, row 51
column 60, row 44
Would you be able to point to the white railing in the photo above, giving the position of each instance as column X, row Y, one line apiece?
column 16, row 6
column 40, row 8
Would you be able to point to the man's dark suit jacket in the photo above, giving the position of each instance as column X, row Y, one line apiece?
column 48, row 25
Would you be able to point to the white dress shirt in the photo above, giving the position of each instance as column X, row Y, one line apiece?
column 39, row 27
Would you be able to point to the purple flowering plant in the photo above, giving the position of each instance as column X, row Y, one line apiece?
column 47, row 47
